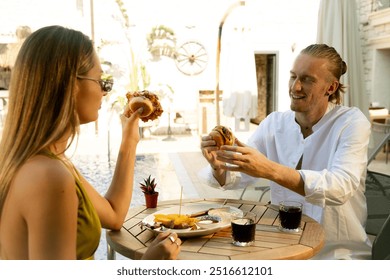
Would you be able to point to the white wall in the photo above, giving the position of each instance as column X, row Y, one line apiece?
column 375, row 34
column 380, row 81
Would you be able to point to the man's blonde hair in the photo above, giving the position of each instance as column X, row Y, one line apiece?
column 335, row 65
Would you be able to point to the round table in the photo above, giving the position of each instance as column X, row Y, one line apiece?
column 133, row 239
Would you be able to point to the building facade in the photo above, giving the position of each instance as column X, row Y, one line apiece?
column 375, row 33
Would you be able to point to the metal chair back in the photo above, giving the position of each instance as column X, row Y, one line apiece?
column 381, row 244
column 380, row 135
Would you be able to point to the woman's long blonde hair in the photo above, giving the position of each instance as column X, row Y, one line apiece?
column 42, row 106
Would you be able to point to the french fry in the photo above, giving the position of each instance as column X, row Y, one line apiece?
column 175, row 221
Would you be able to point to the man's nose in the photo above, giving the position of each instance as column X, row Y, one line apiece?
column 296, row 84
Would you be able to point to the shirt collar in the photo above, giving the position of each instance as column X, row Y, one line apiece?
column 331, row 106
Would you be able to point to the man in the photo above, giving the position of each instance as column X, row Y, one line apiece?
column 315, row 153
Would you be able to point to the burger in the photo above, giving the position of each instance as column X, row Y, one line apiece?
column 222, row 135
column 148, row 101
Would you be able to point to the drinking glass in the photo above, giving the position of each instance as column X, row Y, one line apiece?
column 243, row 229
column 290, row 215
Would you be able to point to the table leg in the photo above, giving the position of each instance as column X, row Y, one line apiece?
column 110, row 253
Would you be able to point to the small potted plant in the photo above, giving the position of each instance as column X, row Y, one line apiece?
column 148, row 187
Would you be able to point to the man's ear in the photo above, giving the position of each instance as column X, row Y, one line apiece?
column 333, row 87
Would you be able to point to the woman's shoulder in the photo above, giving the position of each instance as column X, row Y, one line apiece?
column 41, row 173
column 41, row 196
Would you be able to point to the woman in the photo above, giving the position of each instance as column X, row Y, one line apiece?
column 48, row 209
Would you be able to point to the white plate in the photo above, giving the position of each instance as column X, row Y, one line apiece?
column 195, row 208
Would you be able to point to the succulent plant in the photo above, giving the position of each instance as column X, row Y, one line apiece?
column 149, row 185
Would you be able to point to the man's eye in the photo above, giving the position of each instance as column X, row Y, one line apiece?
column 307, row 80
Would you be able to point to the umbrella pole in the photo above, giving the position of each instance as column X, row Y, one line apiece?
column 233, row 6
column 216, row 93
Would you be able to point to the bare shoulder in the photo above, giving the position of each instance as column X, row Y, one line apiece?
column 42, row 196
column 43, row 178
column 44, row 169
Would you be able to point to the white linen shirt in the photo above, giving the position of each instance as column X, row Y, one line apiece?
column 333, row 169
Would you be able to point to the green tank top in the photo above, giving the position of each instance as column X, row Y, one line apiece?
column 88, row 222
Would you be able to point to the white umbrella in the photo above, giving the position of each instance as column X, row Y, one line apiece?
column 338, row 27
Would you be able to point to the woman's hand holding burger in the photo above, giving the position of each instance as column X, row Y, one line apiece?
column 148, row 101
column 142, row 105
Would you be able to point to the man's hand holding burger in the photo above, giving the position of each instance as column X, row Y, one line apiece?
column 222, row 135
column 218, row 136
